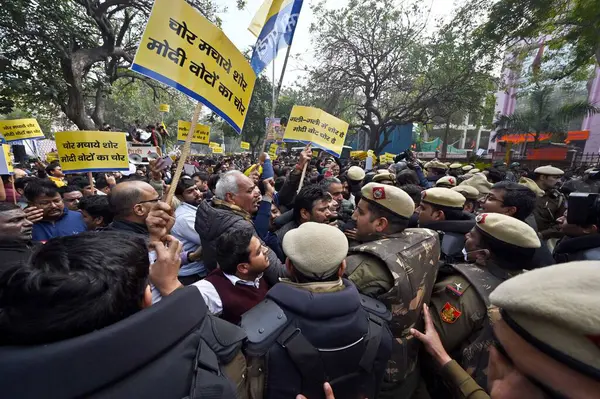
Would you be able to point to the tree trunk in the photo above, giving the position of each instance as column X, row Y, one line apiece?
column 98, row 115
column 75, row 106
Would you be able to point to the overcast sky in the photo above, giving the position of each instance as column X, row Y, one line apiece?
column 236, row 22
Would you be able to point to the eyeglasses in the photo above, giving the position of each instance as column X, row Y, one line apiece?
column 491, row 198
column 152, row 200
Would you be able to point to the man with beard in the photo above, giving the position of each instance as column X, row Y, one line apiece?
column 189, row 194
column 551, row 205
column 500, row 247
column 57, row 220
column 397, row 266
column 580, row 225
column 15, row 234
column 311, row 205
column 71, row 197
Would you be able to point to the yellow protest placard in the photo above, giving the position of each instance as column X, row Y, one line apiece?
column 201, row 135
column 390, row 157
column 21, row 129
column 217, row 150
column 183, row 49
column 244, row 145
column 164, row 108
column 358, row 155
column 52, row 156
column 273, row 151
column 313, row 125
column 88, row 151
column 212, row 144
column 6, row 164
column 315, row 153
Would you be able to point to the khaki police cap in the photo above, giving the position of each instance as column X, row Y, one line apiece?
column 316, row 249
column 437, row 165
column 467, row 191
column 467, row 168
column 443, row 197
column 480, row 182
column 446, row 181
column 508, row 229
column 391, row 198
column 555, row 309
column 549, row 170
column 530, row 184
column 473, row 171
column 355, row 173
column 447, row 164
column 455, row 166
column 427, row 164
column 384, row 176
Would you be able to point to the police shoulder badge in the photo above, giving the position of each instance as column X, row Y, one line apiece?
column 449, row 313
column 379, row 193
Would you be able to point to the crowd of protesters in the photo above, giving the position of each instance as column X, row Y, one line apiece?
column 303, row 276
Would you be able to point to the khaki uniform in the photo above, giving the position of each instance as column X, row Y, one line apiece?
column 399, row 270
column 461, row 313
column 548, row 208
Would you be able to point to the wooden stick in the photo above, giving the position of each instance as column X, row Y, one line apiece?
column 302, row 178
column 12, row 182
column 185, row 152
column 91, row 181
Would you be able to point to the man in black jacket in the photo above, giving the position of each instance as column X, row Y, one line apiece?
column 580, row 226
column 15, row 234
column 77, row 321
column 131, row 202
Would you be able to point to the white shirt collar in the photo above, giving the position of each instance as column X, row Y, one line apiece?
column 235, row 279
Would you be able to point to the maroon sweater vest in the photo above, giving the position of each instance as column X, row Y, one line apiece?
column 237, row 299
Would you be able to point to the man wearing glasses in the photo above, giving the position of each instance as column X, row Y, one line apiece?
column 131, row 202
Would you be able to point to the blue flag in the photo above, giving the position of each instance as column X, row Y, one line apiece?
column 277, row 32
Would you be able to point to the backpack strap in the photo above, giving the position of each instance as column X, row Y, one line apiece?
column 307, row 360
column 373, row 340
column 207, row 380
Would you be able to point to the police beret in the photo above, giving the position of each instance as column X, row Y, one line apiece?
column 549, row 170
column 508, row 229
column 467, row 191
column 355, row 173
column 391, row 198
column 436, row 165
column 384, row 176
column 446, row 181
column 467, row 168
column 427, row 165
column 473, row 171
column 455, row 166
column 443, row 197
column 447, row 163
column 556, row 308
column 530, row 184
column 316, row 249
column 480, row 182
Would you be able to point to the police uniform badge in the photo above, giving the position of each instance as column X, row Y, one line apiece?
column 378, row 193
column 449, row 313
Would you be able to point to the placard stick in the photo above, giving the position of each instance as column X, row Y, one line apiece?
column 91, row 181
column 12, row 182
column 185, row 152
column 303, row 171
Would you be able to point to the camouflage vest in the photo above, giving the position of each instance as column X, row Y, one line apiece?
column 474, row 356
column 412, row 257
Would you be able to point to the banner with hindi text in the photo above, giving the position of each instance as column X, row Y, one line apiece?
column 244, row 145
column 183, row 49
column 217, row 150
column 201, row 135
column 6, row 163
column 273, row 151
column 20, row 129
column 87, row 151
column 307, row 124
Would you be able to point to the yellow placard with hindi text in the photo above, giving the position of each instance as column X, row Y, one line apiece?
column 164, row 108
column 273, row 151
column 183, row 49
column 390, row 157
column 6, row 163
column 217, row 150
column 20, row 129
column 244, row 145
column 87, row 151
column 201, row 135
column 307, row 124
column 212, row 144
column 358, row 155
column 52, row 156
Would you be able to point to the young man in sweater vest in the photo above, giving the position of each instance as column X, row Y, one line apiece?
column 237, row 285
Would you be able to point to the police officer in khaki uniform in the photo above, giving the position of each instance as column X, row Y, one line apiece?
column 500, row 247
column 446, row 182
column 471, row 195
column 551, row 205
column 398, row 266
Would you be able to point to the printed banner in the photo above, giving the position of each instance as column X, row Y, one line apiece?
column 277, row 32
column 86, row 151
column 275, row 132
column 52, row 156
column 212, row 144
column 313, row 125
column 244, row 145
column 182, row 49
column 21, row 129
column 273, row 151
column 358, row 155
column 164, row 108
column 201, row 135
column 217, row 150
column 6, row 163
column 142, row 150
